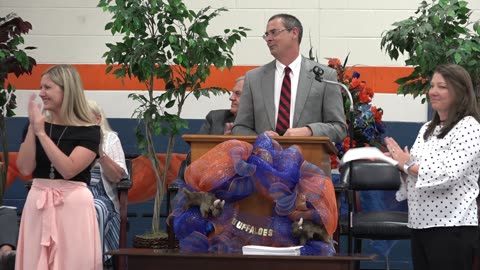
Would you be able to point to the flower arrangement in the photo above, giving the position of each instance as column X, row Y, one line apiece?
column 368, row 128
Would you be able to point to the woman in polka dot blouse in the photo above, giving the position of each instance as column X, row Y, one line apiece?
column 441, row 175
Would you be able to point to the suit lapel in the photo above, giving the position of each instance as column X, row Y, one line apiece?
column 305, row 81
column 268, row 85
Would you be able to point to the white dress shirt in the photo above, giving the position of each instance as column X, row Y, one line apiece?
column 294, row 76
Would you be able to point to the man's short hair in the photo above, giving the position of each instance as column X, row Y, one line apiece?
column 290, row 22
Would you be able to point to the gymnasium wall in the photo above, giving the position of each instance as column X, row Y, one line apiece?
column 72, row 31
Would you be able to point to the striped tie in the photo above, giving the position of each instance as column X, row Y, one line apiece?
column 283, row 119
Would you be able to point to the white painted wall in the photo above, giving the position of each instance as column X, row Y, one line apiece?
column 71, row 31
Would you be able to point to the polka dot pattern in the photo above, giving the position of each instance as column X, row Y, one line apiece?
column 444, row 192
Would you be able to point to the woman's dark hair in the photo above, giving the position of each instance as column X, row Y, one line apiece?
column 460, row 85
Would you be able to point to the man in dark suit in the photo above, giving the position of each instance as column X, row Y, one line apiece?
column 315, row 108
column 220, row 122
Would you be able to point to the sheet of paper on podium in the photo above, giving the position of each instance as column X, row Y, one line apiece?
column 371, row 153
column 264, row 250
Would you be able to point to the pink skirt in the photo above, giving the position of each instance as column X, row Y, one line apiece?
column 59, row 228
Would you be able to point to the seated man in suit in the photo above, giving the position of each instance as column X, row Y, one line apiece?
column 283, row 96
column 220, row 122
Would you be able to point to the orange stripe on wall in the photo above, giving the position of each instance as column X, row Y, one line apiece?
column 380, row 79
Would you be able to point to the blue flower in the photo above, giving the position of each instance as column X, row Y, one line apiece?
column 380, row 127
column 369, row 132
column 366, row 112
column 356, row 75
column 359, row 122
column 339, row 146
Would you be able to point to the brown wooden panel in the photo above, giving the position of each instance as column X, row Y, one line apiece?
column 316, row 150
column 149, row 259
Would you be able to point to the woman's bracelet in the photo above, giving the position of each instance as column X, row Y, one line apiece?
column 407, row 166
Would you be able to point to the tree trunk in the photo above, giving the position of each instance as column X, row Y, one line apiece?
column 161, row 186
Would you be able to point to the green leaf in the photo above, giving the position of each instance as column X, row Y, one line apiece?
column 476, row 27
column 109, row 26
column 170, row 104
column 458, row 58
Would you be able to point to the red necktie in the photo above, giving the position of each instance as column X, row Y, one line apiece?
column 283, row 118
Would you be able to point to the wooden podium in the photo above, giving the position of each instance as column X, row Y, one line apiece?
column 316, row 150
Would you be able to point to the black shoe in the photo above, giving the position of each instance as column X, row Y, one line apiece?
column 7, row 262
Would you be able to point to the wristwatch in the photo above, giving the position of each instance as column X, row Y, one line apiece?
column 407, row 165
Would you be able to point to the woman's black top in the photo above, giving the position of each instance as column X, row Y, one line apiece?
column 73, row 136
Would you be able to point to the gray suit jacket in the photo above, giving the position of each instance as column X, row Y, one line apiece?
column 318, row 105
column 215, row 121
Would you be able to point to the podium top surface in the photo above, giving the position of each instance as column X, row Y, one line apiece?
column 298, row 140
column 176, row 253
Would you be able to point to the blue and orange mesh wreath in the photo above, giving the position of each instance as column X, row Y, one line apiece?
column 281, row 183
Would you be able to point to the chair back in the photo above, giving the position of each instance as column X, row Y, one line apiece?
column 123, row 186
column 371, row 175
column 126, row 182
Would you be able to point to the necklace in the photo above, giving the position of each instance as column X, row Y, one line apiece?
column 52, row 169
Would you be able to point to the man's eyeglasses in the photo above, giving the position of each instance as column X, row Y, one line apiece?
column 236, row 93
column 274, row 32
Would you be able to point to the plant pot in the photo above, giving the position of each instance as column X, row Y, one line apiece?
column 153, row 241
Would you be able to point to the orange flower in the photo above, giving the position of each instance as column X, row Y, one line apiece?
column 370, row 92
column 355, row 83
column 364, row 97
column 334, row 62
column 362, row 86
column 346, row 144
column 377, row 114
column 334, row 161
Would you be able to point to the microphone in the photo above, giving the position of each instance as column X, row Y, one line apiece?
column 318, row 71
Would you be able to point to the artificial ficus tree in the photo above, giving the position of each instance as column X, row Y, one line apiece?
column 164, row 40
column 440, row 32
